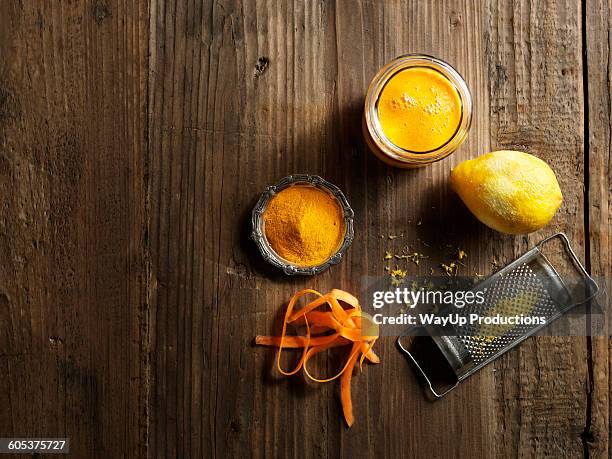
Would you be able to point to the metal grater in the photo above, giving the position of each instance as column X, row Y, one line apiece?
column 530, row 285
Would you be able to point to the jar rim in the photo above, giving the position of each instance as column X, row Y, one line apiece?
column 372, row 122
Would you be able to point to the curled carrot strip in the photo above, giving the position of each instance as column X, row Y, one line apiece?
column 296, row 341
column 345, row 390
column 338, row 326
column 290, row 306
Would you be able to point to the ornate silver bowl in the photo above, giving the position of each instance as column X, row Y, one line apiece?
column 259, row 235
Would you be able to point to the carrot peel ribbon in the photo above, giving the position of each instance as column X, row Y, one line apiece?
column 325, row 329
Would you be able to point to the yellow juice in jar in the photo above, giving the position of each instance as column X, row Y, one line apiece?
column 419, row 109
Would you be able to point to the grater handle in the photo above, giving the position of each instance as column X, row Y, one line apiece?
column 569, row 249
column 414, row 361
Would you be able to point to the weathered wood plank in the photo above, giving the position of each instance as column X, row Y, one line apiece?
column 598, row 45
column 225, row 121
column 535, row 70
column 72, row 224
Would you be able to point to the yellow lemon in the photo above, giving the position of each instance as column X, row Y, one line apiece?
column 509, row 191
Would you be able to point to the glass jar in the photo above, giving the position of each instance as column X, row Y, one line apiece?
column 374, row 135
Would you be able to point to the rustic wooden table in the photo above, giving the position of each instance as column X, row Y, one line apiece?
column 135, row 138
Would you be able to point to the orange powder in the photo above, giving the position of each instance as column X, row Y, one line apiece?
column 304, row 225
column 419, row 109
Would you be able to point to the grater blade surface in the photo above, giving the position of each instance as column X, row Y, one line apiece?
column 518, row 291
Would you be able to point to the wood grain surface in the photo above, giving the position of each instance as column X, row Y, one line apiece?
column 73, row 224
column 135, row 138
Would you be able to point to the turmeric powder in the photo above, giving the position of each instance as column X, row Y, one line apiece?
column 304, row 225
